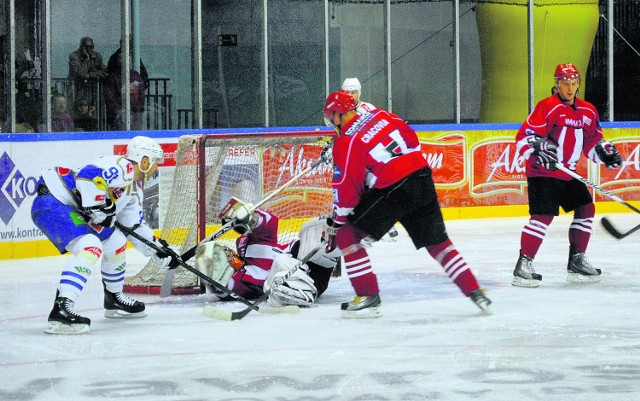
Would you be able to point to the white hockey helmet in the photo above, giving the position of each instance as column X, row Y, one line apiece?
column 351, row 84
column 141, row 146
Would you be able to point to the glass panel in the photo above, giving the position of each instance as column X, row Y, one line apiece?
column 626, row 44
column 29, row 99
column 232, row 59
column 82, row 43
column 5, row 64
column 470, row 65
column 296, row 63
column 356, row 38
column 165, row 48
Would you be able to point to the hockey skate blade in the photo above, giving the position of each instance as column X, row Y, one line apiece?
column 367, row 313
column 118, row 314
column 523, row 282
column 60, row 328
column 583, row 278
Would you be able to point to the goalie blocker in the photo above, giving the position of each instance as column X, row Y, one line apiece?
column 302, row 288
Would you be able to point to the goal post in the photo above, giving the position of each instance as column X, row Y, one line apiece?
column 212, row 168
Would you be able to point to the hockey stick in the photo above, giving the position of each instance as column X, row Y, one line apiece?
column 605, row 222
column 167, row 283
column 182, row 263
column 225, row 314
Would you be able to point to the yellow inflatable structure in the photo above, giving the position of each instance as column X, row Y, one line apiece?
column 564, row 32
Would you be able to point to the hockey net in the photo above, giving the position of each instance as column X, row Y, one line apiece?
column 211, row 168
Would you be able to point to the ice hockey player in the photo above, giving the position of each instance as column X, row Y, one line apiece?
column 76, row 210
column 558, row 130
column 260, row 259
column 354, row 88
column 381, row 177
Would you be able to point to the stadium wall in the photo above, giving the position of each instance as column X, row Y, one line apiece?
column 475, row 167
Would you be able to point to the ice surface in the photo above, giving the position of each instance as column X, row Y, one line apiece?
column 561, row 341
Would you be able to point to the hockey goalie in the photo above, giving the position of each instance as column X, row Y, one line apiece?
column 259, row 260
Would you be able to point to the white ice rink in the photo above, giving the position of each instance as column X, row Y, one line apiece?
column 561, row 341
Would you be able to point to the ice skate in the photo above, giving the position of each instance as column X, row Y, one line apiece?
column 63, row 319
column 484, row 303
column 362, row 307
column 118, row 305
column 524, row 275
column 579, row 269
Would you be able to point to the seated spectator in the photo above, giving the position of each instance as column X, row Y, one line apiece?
column 61, row 121
column 84, row 116
column 86, row 68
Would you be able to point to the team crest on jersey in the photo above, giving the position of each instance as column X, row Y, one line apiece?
column 337, row 173
column 586, row 120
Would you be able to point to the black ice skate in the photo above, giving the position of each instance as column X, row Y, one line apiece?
column 524, row 275
column 63, row 319
column 579, row 269
column 362, row 307
column 118, row 305
column 484, row 303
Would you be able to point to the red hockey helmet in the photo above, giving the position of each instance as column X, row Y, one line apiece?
column 566, row 71
column 339, row 102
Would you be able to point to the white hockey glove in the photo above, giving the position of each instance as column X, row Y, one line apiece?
column 239, row 214
column 608, row 154
column 298, row 289
column 165, row 257
column 102, row 215
column 544, row 152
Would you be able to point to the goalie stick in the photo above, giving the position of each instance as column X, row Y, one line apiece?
column 167, row 283
column 182, row 263
column 604, row 221
column 225, row 314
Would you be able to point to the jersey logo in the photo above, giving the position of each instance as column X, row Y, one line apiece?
column 337, row 173
column 570, row 122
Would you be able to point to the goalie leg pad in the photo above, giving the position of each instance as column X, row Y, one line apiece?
column 298, row 289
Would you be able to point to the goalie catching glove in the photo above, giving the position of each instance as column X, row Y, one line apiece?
column 240, row 214
column 218, row 262
column 544, row 152
column 298, row 289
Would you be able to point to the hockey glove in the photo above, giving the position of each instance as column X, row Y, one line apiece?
column 544, row 152
column 329, row 235
column 102, row 215
column 608, row 154
column 327, row 154
column 166, row 257
column 239, row 214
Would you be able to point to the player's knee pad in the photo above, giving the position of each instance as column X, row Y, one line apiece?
column 87, row 247
column 298, row 289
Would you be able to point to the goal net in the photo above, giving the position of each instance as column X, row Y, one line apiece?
column 212, row 168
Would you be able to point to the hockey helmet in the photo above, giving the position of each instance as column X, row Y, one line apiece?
column 351, row 84
column 141, row 146
column 338, row 102
column 566, row 71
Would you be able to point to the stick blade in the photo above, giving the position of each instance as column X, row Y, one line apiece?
column 217, row 313
column 167, row 283
column 608, row 226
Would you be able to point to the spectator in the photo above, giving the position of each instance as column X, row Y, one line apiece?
column 86, row 69
column 84, row 116
column 114, row 63
column 61, row 121
column 113, row 98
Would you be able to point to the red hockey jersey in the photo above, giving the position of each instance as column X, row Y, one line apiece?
column 574, row 129
column 375, row 150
